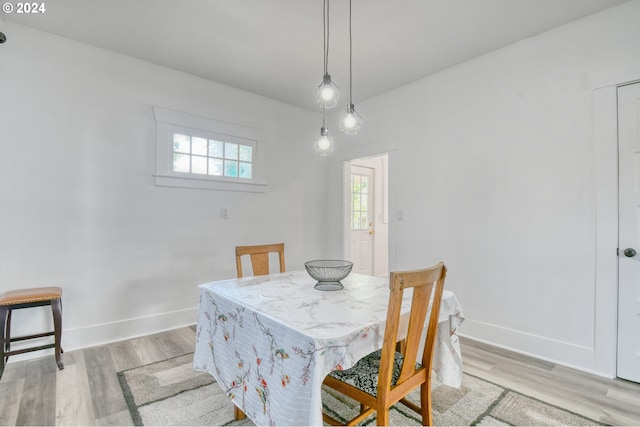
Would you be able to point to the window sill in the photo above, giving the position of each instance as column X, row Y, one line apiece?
column 208, row 184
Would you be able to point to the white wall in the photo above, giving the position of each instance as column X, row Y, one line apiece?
column 78, row 207
column 494, row 170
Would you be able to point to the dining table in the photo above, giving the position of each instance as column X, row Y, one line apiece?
column 269, row 341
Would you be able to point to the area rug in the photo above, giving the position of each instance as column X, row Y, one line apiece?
column 171, row 393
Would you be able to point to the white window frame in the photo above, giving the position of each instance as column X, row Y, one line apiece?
column 169, row 122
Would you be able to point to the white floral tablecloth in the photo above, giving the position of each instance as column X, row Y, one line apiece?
column 269, row 341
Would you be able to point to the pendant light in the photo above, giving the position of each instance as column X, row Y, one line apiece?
column 324, row 143
column 328, row 92
column 350, row 120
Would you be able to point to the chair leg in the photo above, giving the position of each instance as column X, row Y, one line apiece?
column 238, row 414
column 382, row 416
column 425, row 403
column 4, row 310
column 56, row 309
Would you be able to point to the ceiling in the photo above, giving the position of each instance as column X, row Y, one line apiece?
column 275, row 47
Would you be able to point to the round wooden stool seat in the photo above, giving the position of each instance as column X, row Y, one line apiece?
column 29, row 298
column 22, row 296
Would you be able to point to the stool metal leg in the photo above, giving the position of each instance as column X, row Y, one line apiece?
column 7, row 335
column 3, row 318
column 56, row 308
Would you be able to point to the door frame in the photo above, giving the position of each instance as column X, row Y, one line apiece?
column 343, row 159
column 604, row 84
column 379, row 218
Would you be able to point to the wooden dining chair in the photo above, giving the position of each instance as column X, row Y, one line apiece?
column 385, row 377
column 259, row 255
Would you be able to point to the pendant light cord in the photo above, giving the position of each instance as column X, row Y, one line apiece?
column 350, row 59
column 325, row 28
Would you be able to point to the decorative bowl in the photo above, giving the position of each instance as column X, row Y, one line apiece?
column 328, row 273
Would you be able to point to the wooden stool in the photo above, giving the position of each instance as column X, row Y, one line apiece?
column 26, row 298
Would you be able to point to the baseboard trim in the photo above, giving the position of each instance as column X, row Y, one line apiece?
column 105, row 333
column 543, row 348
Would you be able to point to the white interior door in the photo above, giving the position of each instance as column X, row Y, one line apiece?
column 629, row 233
column 361, row 219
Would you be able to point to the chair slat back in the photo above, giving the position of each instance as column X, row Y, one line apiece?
column 427, row 285
column 259, row 255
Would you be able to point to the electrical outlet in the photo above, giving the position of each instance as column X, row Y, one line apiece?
column 400, row 215
column 224, row 213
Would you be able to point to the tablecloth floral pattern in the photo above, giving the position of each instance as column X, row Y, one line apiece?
column 269, row 341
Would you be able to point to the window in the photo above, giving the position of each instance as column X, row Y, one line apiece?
column 197, row 152
column 359, row 202
column 204, row 156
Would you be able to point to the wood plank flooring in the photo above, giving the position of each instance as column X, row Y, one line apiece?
column 87, row 391
column 610, row 401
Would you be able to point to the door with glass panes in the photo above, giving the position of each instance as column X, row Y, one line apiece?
column 361, row 219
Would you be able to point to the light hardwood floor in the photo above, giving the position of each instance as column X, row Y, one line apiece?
column 87, row 391
column 610, row 401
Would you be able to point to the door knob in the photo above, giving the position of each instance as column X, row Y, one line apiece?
column 630, row 252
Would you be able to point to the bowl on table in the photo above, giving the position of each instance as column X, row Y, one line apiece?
column 328, row 273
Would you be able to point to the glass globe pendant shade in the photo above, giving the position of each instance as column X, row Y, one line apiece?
column 350, row 121
column 327, row 93
column 323, row 142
